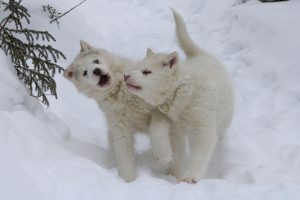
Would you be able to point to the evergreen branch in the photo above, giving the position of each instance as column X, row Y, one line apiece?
column 34, row 63
column 57, row 18
column 53, row 13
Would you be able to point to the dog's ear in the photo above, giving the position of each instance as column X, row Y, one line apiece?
column 85, row 46
column 171, row 59
column 150, row 52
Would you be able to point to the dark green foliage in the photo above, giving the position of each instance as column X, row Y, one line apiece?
column 61, row 15
column 53, row 13
column 35, row 63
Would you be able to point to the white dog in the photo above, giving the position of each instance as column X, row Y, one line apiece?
column 195, row 94
column 99, row 75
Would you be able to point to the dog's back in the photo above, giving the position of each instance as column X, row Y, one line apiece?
column 203, row 68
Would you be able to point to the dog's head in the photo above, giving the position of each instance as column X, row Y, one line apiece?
column 92, row 68
column 153, row 77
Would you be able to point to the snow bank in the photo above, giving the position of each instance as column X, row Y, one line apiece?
column 261, row 51
column 61, row 152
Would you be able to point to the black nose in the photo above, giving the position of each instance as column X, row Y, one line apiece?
column 97, row 72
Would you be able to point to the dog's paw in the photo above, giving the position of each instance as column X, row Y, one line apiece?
column 128, row 177
column 189, row 177
column 189, row 180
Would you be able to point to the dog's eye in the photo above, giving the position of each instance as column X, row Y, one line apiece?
column 96, row 61
column 85, row 73
column 146, row 72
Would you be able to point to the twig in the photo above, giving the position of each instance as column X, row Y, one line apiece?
column 67, row 11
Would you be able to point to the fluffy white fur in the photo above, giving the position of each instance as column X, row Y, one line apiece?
column 195, row 94
column 126, row 113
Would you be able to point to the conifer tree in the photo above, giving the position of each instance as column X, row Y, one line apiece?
column 34, row 59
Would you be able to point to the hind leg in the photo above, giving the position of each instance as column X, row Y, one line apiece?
column 202, row 144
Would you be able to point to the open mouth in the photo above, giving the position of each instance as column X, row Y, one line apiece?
column 104, row 80
column 131, row 86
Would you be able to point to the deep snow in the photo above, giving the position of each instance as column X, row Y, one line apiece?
column 60, row 152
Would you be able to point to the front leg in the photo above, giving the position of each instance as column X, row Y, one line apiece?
column 203, row 137
column 178, row 141
column 121, row 141
column 160, row 139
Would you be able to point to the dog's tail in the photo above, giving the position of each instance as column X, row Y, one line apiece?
column 189, row 47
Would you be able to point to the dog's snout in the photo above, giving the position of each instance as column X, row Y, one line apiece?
column 68, row 73
column 97, row 72
column 126, row 77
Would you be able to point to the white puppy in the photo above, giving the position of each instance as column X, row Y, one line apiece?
column 99, row 75
column 195, row 94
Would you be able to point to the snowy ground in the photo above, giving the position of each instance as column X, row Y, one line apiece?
column 61, row 152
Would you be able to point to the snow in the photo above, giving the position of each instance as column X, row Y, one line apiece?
column 61, row 152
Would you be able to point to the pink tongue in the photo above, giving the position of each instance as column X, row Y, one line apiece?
column 134, row 86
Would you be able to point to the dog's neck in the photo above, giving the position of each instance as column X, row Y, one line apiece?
column 167, row 104
column 170, row 95
column 114, row 94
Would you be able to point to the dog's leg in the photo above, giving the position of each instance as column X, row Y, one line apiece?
column 203, row 138
column 160, row 139
column 179, row 152
column 122, row 144
column 110, row 155
column 202, row 145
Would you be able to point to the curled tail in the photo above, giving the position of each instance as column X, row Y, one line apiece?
column 189, row 47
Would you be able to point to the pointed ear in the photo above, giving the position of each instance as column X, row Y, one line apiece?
column 85, row 46
column 150, row 52
column 69, row 73
column 171, row 59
